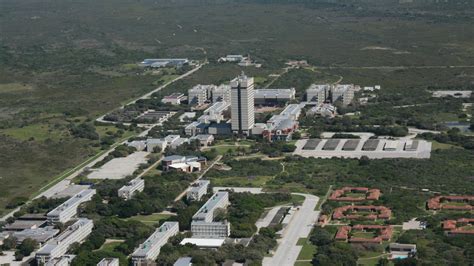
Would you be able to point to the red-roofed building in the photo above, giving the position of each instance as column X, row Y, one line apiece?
column 370, row 194
column 442, row 203
column 383, row 233
column 377, row 212
column 458, row 227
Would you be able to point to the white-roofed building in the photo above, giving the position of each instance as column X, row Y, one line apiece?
column 64, row 212
column 200, row 94
column 203, row 225
column 221, row 93
column 156, row 145
column 150, row 249
column 318, row 93
column 274, row 96
column 61, row 261
column 204, row 242
column 58, row 246
column 197, row 190
column 136, row 185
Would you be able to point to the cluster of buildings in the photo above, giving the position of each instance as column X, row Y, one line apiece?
column 462, row 203
column 341, row 194
column 134, row 186
column 58, row 246
column 362, row 212
column 187, row 164
column 323, row 110
column 281, row 126
column 327, row 93
column 381, row 233
column 67, row 210
column 461, row 226
column 202, row 94
column 203, row 223
column 239, row 59
column 164, row 62
column 274, row 96
column 170, row 141
column 150, row 249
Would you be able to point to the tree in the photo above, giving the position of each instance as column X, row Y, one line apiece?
column 27, row 246
column 9, row 243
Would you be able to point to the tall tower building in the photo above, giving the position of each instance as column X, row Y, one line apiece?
column 242, row 107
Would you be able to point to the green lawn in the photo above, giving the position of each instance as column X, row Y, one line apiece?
column 258, row 181
column 308, row 249
column 150, row 219
column 109, row 247
column 39, row 132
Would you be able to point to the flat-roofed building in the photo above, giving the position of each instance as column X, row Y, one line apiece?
column 203, row 225
column 183, row 261
column 20, row 225
column 58, row 246
column 197, row 190
column 109, row 262
column 221, row 93
column 40, row 235
column 242, row 106
column 135, row 185
column 164, row 62
column 150, row 249
column 200, row 94
column 174, row 98
column 64, row 212
column 317, row 93
column 344, row 93
column 220, row 199
column 204, row 139
column 215, row 113
column 274, row 96
column 219, row 229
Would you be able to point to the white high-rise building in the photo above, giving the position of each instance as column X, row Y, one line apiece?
column 221, row 93
column 242, row 97
column 317, row 93
column 199, row 94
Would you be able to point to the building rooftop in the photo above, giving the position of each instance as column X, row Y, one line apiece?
column 275, row 93
column 210, row 205
column 71, row 201
column 204, row 242
column 143, row 249
column 183, row 261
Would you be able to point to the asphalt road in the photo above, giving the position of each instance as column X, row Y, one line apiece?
column 300, row 226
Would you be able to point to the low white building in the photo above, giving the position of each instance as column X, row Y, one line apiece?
column 174, row 98
column 61, row 261
column 136, row 185
column 57, row 247
column 64, row 212
column 197, row 190
column 150, row 249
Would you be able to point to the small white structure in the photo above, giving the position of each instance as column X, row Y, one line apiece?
column 57, row 247
column 150, row 249
column 136, row 185
column 64, row 212
column 140, row 145
column 109, row 262
column 197, row 190
column 204, row 242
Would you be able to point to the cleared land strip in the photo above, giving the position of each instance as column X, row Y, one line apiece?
column 392, row 67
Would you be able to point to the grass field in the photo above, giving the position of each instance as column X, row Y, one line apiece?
column 308, row 250
column 150, row 219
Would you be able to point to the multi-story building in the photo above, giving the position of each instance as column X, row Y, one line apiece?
column 219, row 229
column 197, row 190
column 109, row 262
column 344, row 93
column 164, row 62
column 221, row 93
column 150, row 249
column 40, row 235
column 203, row 224
column 174, row 98
column 281, row 126
column 199, row 94
column 136, row 185
column 317, row 93
column 215, row 113
column 274, row 96
column 64, row 212
column 58, row 246
column 242, row 106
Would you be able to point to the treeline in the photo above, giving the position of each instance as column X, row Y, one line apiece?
column 453, row 136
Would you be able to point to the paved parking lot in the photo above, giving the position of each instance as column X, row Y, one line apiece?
column 119, row 168
column 384, row 148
